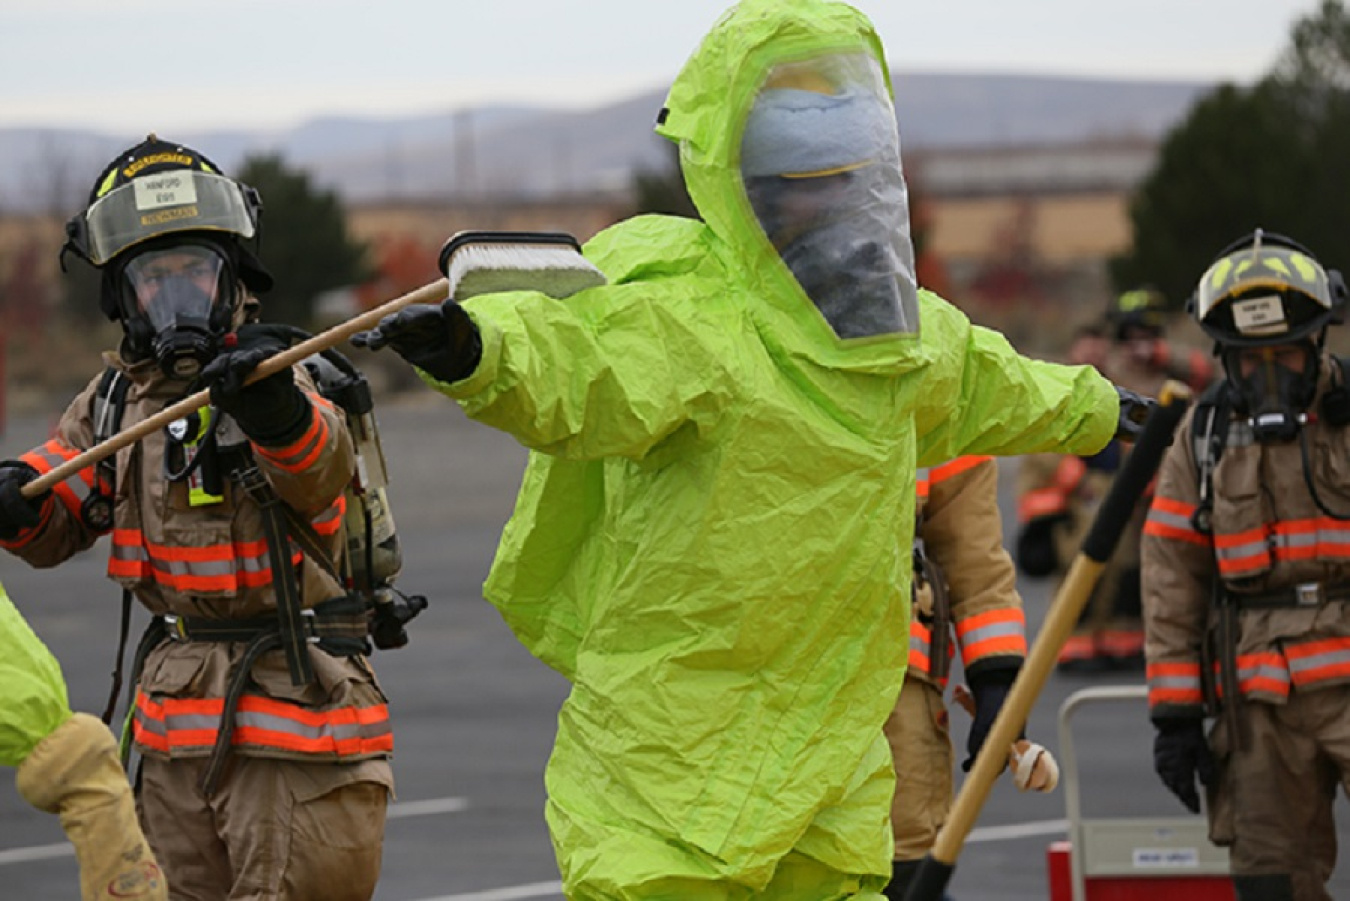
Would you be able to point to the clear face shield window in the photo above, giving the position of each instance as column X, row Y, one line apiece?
column 153, row 205
column 172, row 299
column 820, row 159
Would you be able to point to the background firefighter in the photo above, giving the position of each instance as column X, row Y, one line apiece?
column 1246, row 575
column 1058, row 495
column 262, row 731
column 724, row 442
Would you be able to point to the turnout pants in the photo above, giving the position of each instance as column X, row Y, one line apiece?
column 1272, row 804
column 275, row 830
column 921, row 751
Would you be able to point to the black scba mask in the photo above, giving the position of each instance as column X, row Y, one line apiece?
column 175, row 303
column 1273, row 395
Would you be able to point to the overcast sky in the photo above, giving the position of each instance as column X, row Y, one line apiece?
column 131, row 65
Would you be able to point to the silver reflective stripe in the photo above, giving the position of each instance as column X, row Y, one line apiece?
column 1175, row 520
column 1301, row 665
column 74, row 483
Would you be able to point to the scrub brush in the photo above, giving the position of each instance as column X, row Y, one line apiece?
column 485, row 262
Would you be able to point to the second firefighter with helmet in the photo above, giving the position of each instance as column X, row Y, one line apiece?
column 263, row 733
column 1246, row 576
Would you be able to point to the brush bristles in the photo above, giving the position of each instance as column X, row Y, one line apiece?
column 487, row 268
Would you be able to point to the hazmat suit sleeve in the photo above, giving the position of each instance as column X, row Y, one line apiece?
column 34, row 701
column 981, row 397
column 656, row 379
column 61, row 533
column 1178, row 573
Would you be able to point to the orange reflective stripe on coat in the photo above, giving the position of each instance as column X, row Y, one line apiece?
column 1254, row 550
column 175, row 724
column 1170, row 518
column 72, row 491
column 300, row 454
column 1174, row 683
column 1054, row 498
column 921, row 649
column 992, row 633
column 227, row 568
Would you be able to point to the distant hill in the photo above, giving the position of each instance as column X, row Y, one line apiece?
column 533, row 151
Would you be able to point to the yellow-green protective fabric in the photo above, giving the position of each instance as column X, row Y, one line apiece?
column 711, row 540
column 33, row 701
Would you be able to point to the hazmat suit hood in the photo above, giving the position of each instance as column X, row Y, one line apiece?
column 789, row 149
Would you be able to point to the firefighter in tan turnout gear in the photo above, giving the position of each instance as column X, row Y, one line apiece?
column 965, row 597
column 263, row 734
column 1247, row 575
column 67, row 765
column 1059, row 495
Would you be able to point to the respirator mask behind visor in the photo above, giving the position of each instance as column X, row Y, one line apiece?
column 176, row 304
column 1274, row 386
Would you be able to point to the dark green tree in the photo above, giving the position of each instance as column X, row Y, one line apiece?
column 305, row 243
column 1270, row 156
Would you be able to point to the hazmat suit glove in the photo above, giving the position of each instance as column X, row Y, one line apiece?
column 75, row 773
column 990, row 689
column 16, row 511
column 272, row 411
column 1134, row 409
column 442, row 341
column 1180, row 756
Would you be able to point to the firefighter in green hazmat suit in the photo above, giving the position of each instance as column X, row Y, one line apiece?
column 712, row 537
column 68, row 765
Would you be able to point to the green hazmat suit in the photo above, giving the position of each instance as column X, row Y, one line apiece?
column 710, row 540
column 34, row 701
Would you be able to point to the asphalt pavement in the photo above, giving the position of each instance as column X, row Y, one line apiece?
column 475, row 714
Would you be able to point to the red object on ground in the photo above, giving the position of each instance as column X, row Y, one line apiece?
column 1132, row 888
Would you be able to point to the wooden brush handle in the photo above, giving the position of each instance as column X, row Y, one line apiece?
column 431, row 293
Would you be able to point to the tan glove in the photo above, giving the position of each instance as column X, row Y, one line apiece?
column 75, row 772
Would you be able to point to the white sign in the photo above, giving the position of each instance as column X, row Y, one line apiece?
column 1166, row 858
column 155, row 192
column 1260, row 315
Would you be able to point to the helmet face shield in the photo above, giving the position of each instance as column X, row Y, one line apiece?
column 163, row 203
column 820, row 160
column 1263, row 294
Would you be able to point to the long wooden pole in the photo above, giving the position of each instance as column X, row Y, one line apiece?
column 431, row 293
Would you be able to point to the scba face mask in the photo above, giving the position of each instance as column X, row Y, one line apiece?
column 176, row 303
column 1274, row 387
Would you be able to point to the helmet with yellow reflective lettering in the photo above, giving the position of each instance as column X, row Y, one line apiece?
column 1266, row 289
column 172, row 236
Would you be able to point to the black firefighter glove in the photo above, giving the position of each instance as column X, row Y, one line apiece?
column 442, row 341
column 1181, row 755
column 1134, row 409
column 1035, row 549
column 16, row 511
column 990, row 689
column 272, row 411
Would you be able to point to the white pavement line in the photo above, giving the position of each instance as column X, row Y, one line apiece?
column 36, row 852
column 1018, row 830
column 397, row 810
column 533, row 890
column 434, row 806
